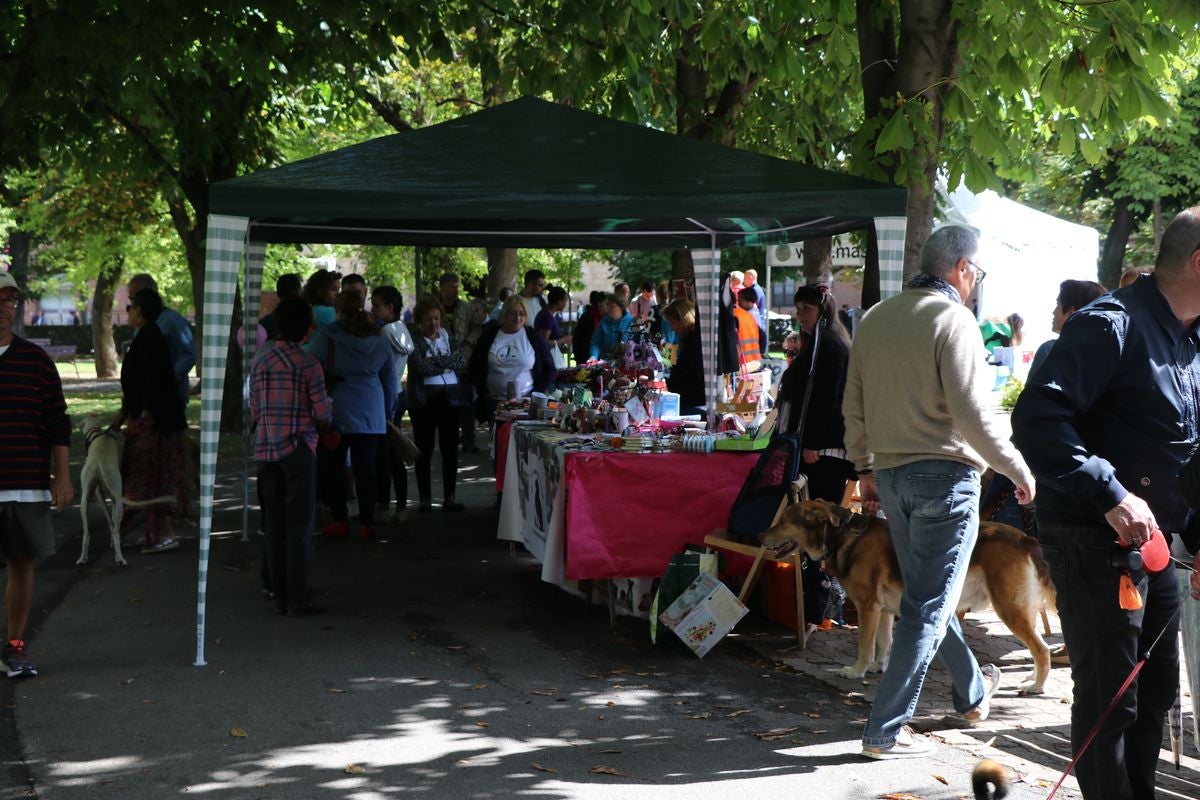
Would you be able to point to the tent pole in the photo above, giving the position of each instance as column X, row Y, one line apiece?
column 223, row 251
column 417, row 271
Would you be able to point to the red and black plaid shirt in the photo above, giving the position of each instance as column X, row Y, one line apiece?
column 288, row 401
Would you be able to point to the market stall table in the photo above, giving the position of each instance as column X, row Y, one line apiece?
column 591, row 515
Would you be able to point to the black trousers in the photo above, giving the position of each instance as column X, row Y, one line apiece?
column 288, row 494
column 1105, row 643
column 363, row 448
column 437, row 420
column 390, row 471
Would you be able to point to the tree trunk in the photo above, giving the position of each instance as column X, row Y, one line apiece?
column 871, row 290
column 927, row 55
column 18, row 253
column 818, row 260
column 502, row 270
column 103, row 346
column 1112, row 254
column 682, row 266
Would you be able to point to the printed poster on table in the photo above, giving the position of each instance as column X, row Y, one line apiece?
column 539, row 470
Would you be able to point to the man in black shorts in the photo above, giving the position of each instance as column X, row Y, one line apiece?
column 36, row 432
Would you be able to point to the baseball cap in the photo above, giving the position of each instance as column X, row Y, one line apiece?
column 7, row 281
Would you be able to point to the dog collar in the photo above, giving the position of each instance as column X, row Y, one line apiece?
column 858, row 523
column 96, row 433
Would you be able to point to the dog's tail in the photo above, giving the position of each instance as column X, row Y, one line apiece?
column 154, row 501
column 989, row 780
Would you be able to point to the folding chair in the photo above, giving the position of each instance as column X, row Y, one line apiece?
column 720, row 540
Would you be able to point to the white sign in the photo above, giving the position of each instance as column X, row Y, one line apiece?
column 846, row 253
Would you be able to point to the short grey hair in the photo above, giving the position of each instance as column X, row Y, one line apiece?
column 1179, row 241
column 946, row 246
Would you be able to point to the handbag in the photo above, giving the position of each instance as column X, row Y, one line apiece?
column 329, row 439
column 403, row 444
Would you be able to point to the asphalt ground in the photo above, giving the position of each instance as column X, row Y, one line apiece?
column 444, row 668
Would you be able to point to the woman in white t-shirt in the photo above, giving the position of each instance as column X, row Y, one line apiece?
column 511, row 360
column 435, row 401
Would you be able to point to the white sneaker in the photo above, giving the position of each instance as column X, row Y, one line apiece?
column 907, row 745
column 991, row 682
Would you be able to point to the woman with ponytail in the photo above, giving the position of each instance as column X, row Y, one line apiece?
column 822, row 440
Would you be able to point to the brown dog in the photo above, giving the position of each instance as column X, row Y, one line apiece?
column 1006, row 571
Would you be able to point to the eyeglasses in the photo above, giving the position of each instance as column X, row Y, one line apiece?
column 11, row 302
column 979, row 273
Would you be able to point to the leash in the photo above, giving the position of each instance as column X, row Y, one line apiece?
column 1113, row 704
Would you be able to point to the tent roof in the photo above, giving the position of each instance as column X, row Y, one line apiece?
column 531, row 173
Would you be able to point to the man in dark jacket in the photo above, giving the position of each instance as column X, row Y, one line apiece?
column 1105, row 424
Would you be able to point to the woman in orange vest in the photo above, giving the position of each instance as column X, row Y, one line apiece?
column 752, row 338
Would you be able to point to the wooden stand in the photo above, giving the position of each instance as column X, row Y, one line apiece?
column 719, row 540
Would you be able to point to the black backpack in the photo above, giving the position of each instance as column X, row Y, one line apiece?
column 765, row 490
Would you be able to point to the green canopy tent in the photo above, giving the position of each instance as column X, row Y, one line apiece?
column 528, row 173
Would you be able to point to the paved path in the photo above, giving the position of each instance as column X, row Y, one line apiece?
column 445, row 667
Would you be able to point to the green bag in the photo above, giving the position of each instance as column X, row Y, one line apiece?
column 683, row 569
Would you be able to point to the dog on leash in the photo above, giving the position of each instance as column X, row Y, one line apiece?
column 1006, row 571
column 989, row 780
column 102, row 475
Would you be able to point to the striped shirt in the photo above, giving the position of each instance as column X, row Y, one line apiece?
column 33, row 417
column 287, row 400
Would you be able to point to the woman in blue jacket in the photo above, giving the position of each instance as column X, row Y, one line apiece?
column 613, row 329
column 361, row 376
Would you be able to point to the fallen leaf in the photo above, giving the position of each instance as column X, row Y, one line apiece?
column 900, row 796
column 544, row 692
column 701, row 715
column 738, row 713
column 941, row 780
column 812, row 715
column 454, row 647
column 610, row 750
column 238, row 732
column 483, row 724
column 776, row 733
column 600, row 769
column 543, row 768
column 477, row 687
column 336, row 691
column 354, row 769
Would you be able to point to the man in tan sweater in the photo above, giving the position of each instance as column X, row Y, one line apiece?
column 920, row 426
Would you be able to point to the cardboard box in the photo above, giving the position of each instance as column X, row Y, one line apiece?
column 703, row 614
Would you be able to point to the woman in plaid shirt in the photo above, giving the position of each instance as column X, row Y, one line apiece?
column 289, row 403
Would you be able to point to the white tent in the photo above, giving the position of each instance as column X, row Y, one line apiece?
column 1026, row 254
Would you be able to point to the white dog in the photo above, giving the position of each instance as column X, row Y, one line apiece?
column 102, row 473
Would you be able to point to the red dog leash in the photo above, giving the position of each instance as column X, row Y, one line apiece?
column 1116, row 698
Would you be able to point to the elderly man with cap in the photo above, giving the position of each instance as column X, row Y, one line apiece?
column 35, row 455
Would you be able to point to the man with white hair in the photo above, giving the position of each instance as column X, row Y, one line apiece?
column 920, row 427
column 750, row 281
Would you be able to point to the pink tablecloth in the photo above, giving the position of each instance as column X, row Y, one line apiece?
column 502, row 436
column 628, row 513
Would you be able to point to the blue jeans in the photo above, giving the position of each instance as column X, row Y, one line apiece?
column 932, row 510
